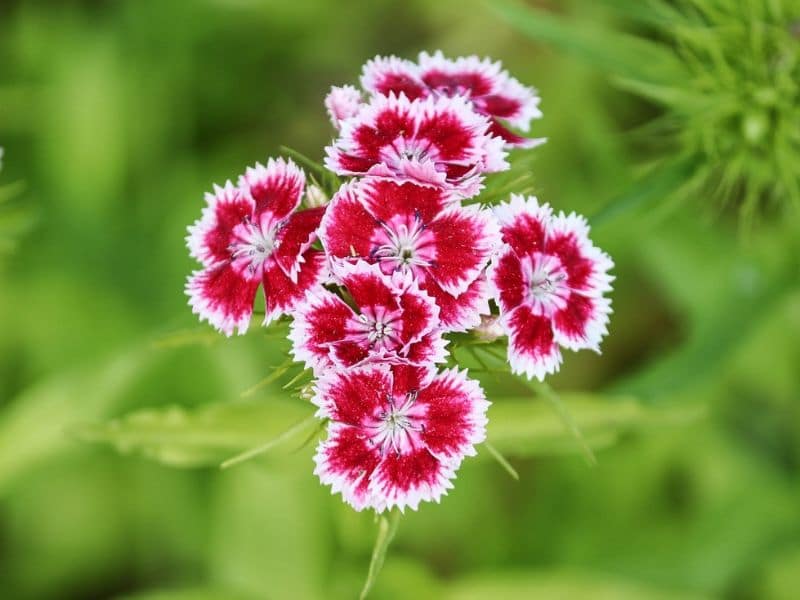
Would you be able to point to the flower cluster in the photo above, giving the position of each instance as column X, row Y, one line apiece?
column 377, row 280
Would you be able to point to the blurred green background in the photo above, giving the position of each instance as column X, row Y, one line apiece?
column 117, row 116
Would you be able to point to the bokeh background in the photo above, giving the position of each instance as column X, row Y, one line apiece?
column 117, row 116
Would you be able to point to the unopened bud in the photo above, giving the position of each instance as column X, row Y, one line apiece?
column 315, row 197
column 489, row 329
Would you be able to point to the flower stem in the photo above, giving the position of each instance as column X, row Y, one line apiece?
column 387, row 528
column 545, row 391
column 502, row 460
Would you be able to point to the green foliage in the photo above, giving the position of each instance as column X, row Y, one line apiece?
column 115, row 120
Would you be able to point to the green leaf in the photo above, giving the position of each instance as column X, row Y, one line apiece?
column 205, row 436
column 526, row 427
column 387, row 528
column 618, row 54
column 266, row 447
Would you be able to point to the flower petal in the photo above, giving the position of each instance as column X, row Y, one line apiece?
column 467, row 75
column 461, row 312
column 347, row 228
column 508, row 280
column 582, row 323
column 523, row 224
column 353, row 396
column 465, row 238
column 342, row 103
column 432, row 348
column 385, row 199
column 282, row 294
column 586, row 265
column 319, row 321
column 370, row 289
column 392, row 75
column 532, row 349
column 276, row 189
column 455, row 415
column 497, row 129
column 294, row 238
column 223, row 297
column 210, row 237
column 420, row 314
column 408, row 377
column 345, row 461
column 405, row 480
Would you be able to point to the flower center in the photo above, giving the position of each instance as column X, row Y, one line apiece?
column 404, row 245
column 253, row 245
column 396, row 426
column 377, row 330
column 402, row 149
column 547, row 284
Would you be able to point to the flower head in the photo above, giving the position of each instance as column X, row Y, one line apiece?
column 418, row 229
column 440, row 141
column 490, row 89
column 390, row 317
column 398, row 433
column 250, row 235
column 549, row 282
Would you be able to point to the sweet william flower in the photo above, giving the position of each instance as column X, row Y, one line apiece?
column 250, row 235
column 417, row 229
column 490, row 89
column 387, row 317
column 397, row 432
column 437, row 140
column 549, row 282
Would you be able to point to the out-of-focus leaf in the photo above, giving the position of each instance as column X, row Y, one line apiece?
column 206, row 436
column 267, row 528
column 620, row 54
column 655, row 186
column 527, row 427
column 33, row 426
column 726, row 295
column 575, row 585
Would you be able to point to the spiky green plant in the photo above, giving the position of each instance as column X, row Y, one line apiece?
column 727, row 76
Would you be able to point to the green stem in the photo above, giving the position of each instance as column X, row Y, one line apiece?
column 387, row 528
column 502, row 460
column 554, row 400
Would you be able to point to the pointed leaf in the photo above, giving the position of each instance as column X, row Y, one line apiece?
column 204, row 436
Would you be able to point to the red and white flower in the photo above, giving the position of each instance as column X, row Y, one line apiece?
column 250, row 235
column 550, row 283
column 492, row 91
column 390, row 317
column 398, row 433
column 440, row 141
column 342, row 103
column 419, row 229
